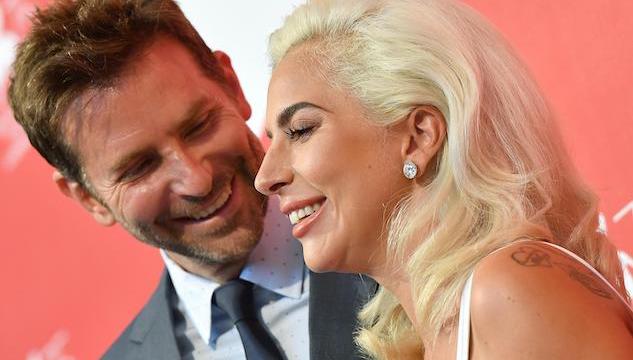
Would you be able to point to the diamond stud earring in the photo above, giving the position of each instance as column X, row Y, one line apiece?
column 410, row 169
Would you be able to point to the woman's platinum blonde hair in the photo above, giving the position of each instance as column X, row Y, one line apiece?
column 502, row 174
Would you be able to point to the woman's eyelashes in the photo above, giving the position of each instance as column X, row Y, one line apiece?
column 301, row 131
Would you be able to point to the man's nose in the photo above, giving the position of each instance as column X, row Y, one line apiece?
column 192, row 174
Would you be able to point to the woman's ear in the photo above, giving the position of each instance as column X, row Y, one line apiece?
column 77, row 192
column 426, row 133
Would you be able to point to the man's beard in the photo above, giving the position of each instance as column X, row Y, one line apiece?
column 243, row 231
column 245, row 239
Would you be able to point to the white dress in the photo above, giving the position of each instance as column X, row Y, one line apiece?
column 463, row 329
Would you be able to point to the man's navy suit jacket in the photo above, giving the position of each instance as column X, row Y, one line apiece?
column 335, row 299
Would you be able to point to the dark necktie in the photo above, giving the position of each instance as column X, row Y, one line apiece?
column 236, row 298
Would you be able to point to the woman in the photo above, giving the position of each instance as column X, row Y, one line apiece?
column 409, row 143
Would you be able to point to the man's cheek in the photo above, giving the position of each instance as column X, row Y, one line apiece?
column 256, row 151
column 141, row 206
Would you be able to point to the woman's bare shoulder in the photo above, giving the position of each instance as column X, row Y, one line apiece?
column 535, row 299
column 531, row 267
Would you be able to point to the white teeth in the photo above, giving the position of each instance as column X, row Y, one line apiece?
column 219, row 202
column 296, row 215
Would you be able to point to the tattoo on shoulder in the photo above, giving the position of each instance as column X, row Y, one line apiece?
column 588, row 280
column 533, row 256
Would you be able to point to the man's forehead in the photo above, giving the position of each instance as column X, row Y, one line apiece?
column 164, row 82
column 83, row 113
column 96, row 125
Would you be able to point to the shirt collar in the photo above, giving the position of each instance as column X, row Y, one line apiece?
column 276, row 264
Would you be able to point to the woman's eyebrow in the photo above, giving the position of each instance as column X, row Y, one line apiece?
column 284, row 117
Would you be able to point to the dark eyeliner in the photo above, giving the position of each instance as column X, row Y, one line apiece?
column 302, row 132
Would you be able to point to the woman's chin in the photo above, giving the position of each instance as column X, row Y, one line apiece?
column 320, row 260
column 319, row 267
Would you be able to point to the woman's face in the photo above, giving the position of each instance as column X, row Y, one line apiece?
column 337, row 174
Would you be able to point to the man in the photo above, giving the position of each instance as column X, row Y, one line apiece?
column 145, row 127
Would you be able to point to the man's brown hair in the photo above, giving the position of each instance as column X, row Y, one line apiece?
column 76, row 46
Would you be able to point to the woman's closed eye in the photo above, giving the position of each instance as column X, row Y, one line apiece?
column 301, row 132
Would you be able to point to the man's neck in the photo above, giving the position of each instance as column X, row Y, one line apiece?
column 219, row 273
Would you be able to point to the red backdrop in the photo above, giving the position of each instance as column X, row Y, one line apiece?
column 69, row 286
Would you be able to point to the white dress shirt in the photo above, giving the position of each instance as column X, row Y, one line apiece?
column 276, row 266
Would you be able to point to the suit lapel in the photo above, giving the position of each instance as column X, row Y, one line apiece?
column 153, row 330
column 335, row 300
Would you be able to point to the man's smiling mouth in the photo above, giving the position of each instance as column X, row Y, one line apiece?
column 199, row 214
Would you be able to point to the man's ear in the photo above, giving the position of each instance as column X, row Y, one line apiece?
column 77, row 192
column 426, row 133
column 234, row 84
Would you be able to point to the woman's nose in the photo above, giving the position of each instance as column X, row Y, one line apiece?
column 273, row 174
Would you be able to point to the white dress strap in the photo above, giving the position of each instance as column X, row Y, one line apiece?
column 463, row 329
column 594, row 271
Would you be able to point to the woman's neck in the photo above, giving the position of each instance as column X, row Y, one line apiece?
column 399, row 284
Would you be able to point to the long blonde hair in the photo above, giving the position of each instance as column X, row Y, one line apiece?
column 502, row 173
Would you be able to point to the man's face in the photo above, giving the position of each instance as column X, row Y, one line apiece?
column 168, row 155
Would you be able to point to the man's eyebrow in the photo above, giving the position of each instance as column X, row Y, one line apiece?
column 284, row 117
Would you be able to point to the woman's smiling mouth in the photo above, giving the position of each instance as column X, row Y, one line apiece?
column 300, row 214
column 303, row 213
